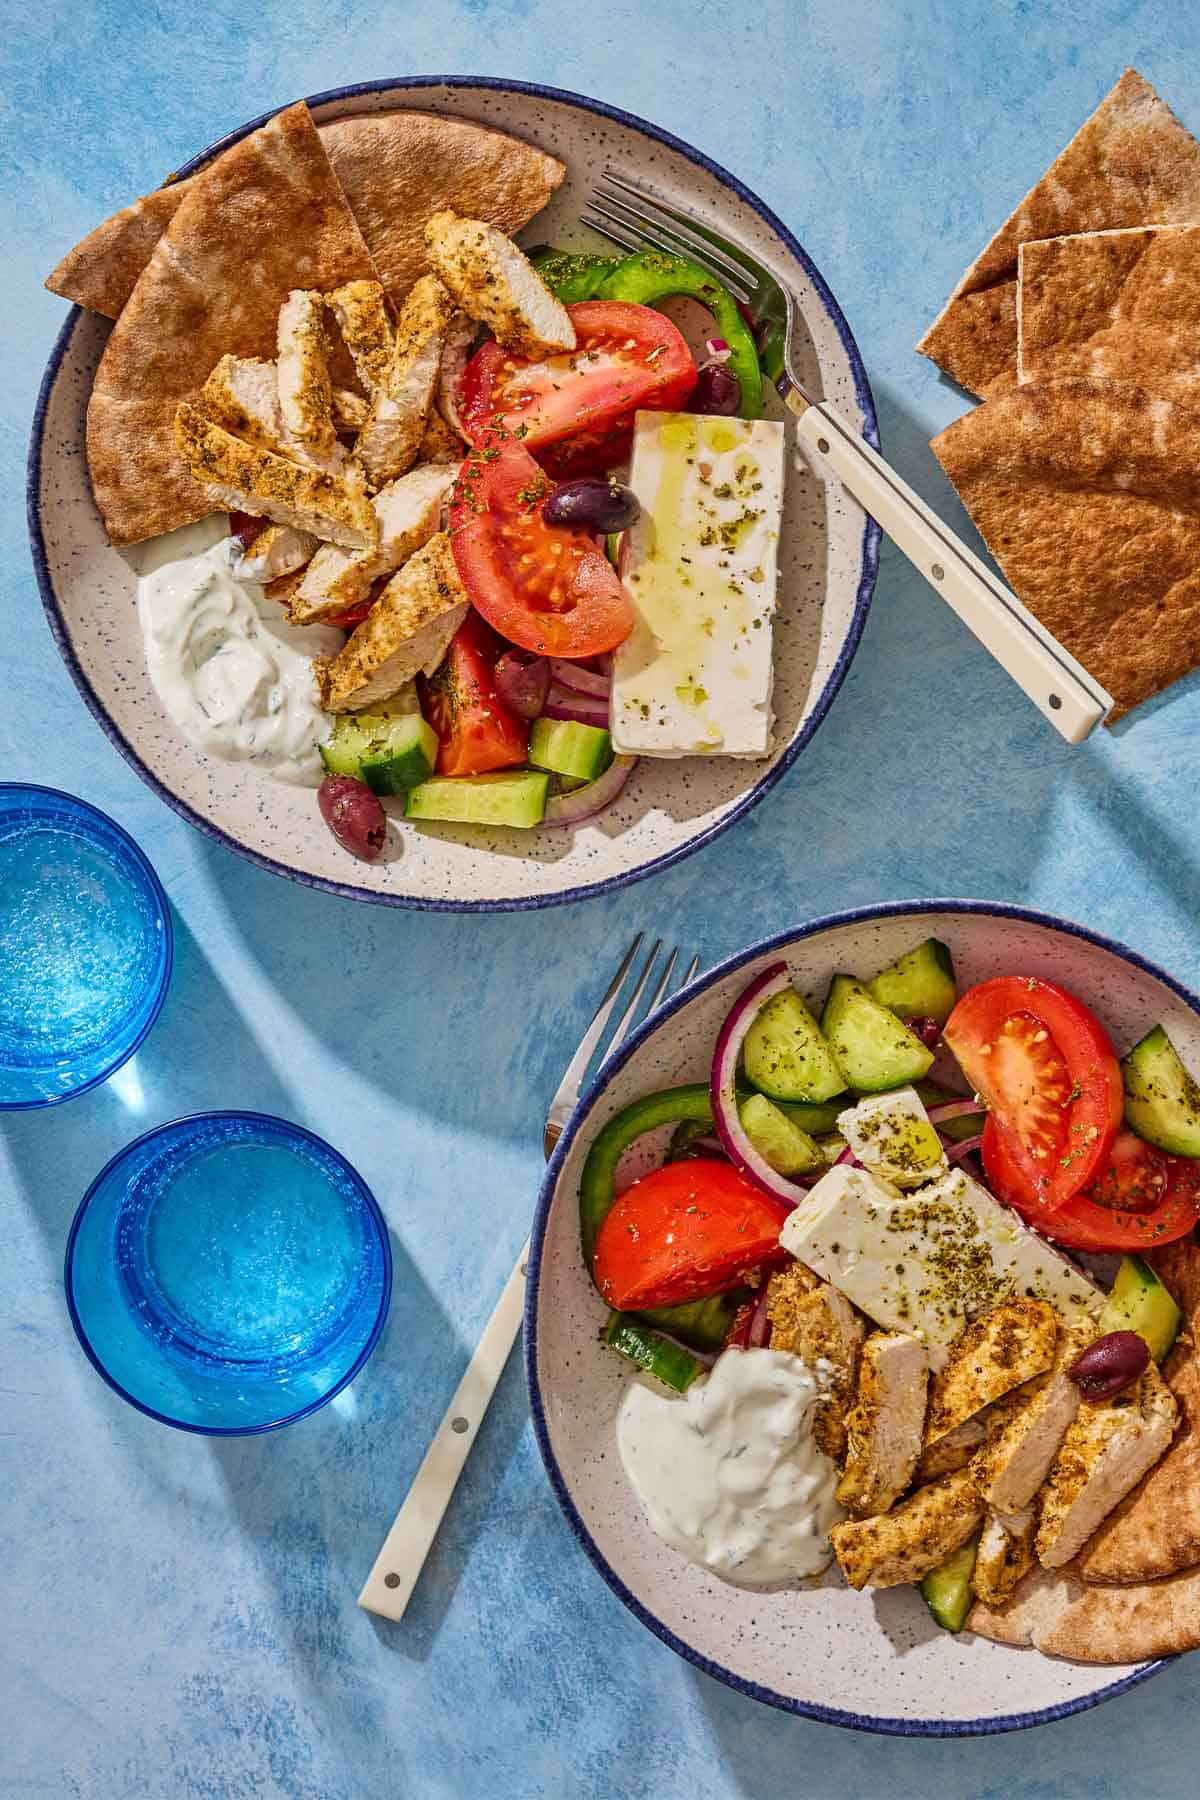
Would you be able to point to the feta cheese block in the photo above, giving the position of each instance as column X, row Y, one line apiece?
column 892, row 1135
column 694, row 676
column 930, row 1260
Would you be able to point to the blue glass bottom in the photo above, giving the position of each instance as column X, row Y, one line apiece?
column 228, row 1273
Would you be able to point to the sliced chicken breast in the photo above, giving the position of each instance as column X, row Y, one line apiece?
column 349, row 410
column 886, row 1422
column 953, row 1451
column 904, row 1544
column 305, row 392
column 279, row 550
column 456, row 354
column 1026, row 1427
column 1107, row 1448
column 244, row 478
column 494, row 281
column 242, row 397
column 1005, row 1553
column 813, row 1321
column 406, row 633
column 409, row 511
column 360, row 309
column 389, row 441
column 997, row 1352
column 441, row 443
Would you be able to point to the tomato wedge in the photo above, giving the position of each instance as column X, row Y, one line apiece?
column 1090, row 1220
column 685, row 1231
column 1049, row 1077
column 543, row 587
column 476, row 732
column 627, row 358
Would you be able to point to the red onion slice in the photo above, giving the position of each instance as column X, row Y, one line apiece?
column 578, row 679
column 967, row 1148
column 730, row 1130
column 759, row 1334
column 522, row 682
column 952, row 1109
column 561, row 703
column 586, row 802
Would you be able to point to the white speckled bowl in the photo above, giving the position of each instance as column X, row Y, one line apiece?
column 828, row 557
column 873, row 1661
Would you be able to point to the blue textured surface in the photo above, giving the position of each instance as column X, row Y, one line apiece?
column 180, row 1615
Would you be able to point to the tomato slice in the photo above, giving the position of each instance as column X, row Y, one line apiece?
column 476, row 732
column 685, row 1231
column 1089, row 1223
column 543, row 587
column 1045, row 1069
column 626, row 358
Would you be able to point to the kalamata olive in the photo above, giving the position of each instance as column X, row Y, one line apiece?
column 717, row 390
column 928, row 1030
column 246, row 527
column 592, row 502
column 1110, row 1364
column 354, row 815
column 522, row 682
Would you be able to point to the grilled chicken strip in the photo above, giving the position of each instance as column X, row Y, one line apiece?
column 1026, row 1427
column 441, row 443
column 279, row 550
column 1108, row 1447
column 242, row 397
column 953, row 1451
column 409, row 511
column 243, row 478
column 305, row 392
column 813, row 1321
column 388, row 442
column 456, row 354
column 493, row 281
column 407, row 632
column 349, row 410
column 885, row 1424
column 916, row 1536
column 362, row 316
column 997, row 1352
column 1005, row 1553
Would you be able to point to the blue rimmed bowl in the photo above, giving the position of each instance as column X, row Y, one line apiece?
column 829, row 553
column 874, row 1661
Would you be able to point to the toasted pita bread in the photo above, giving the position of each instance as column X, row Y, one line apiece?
column 397, row 169
column 1088, row 494
column 266, row 217
column 1131, row 163
column 1156, row 1531
column 1120, row 304
column 1064, row 1617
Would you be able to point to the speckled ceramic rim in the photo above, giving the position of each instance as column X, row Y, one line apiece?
column 376, row 1217
column 158, row 894
column 829, row 1715
column 415, row 902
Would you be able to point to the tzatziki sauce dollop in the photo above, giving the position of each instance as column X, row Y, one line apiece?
column 729, row 1474
column 231, row 672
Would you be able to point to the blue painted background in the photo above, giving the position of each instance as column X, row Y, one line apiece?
column 179, row 1616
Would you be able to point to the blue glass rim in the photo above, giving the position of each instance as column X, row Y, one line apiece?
column 994, row 1724
column 868, row 566
column 150, row 875
column 373, row 1212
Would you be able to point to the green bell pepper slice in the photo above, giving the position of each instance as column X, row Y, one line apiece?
column 597, row 1189
column 652, row 275
column 672, row 1365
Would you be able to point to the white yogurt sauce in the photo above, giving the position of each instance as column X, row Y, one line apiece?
column 728, row 1474
column 234, row 676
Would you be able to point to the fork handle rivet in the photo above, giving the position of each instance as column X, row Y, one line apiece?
column 823, row 446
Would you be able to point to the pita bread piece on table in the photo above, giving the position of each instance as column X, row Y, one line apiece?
column 1120, row 304
column 1156, row 1531
column 396, row 168
column 1088, row 496
column 1131, row 163
column 266, row 217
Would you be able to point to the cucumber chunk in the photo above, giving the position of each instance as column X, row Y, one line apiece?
column 786, row 1146
column 565, row 747
column 391, row 748
column 510, row 798
column 700, row 1324
column 919, row 985
column 785, row 1055
column 947, row 1590
column 1139, row 1302
column 656, row 1355
column 876, row 1051
column 1162, row 1099
column 812, row 1118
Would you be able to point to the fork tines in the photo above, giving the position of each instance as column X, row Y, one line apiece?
column 633, row 219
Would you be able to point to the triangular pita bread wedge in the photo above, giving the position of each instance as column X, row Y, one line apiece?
column 1120, row 304
column 1088, row 495
column 397, row 169
column 1156, row 1531
column 1131, row 163
column 1063, row 1617
column 268, row 216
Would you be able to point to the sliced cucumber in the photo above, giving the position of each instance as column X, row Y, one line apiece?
column 947, row 1590
column 812, row 1118
column 786, row 1146
column 919, row 985
column 565, row 747
column 785, row 1055
column 701, row 1324
column 391, row 748
column 516, row 797
column 1162, row 1099
column 1139, row 1302
column 656, row 1355
column 875, row 1050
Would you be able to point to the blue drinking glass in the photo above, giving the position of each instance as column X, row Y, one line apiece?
column 85, row 946
column 228, row 1273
